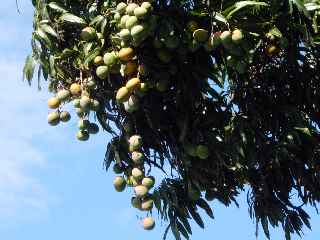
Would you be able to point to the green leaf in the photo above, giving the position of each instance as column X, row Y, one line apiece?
column 242, row 4
column 175, row 231
column 182, row 230
column 185, row 223
column 97, row 20
column 109, row 156
column 275, row 32
column 52, row 69
column 103, row 26
column 70, row 18
column 48, row 29
column 87, row 48
column 312, row 6
column 219, row 17
column 195, row 215
column 166, row 232
column 68, row 53
column 205, row 206
column 304, row 130
column 305, row 217
column 264, row 223
column 28, row 69
column 55, row 6
column 157, row 200
column 42, row 37
column 91, row 56
column 301, row 7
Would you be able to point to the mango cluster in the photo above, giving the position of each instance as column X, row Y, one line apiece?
column 79, row 94
column 134, row 176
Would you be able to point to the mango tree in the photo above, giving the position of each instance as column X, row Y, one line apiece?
column 222, row 96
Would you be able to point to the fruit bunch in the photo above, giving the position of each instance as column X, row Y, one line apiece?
column 134, row 23
column 134, row 176
column 80, row 97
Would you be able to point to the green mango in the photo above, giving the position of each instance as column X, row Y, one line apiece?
column 53, row 118
column 82, row 135
column 63, row 95
column 119, row 184
column 202, row 151
column 110, row 58
column 125, row 35
column 201, row 35
column 147, row 6
column 121, row 7
column 102, row 72
column 130, row 8
column 131, row 22
column 88, row 34
column 140, row 12
column 123, row 21
column 65, row 116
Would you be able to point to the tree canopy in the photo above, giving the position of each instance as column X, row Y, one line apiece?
column 219, row 95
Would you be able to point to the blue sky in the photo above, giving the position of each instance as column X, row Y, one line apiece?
column 54, row 187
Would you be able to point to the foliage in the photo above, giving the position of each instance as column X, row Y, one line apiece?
column 248, row 95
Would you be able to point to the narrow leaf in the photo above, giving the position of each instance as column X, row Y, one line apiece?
column 301, row 7
column 185, row 223
column 48, row 29
column 55, row 6
column 243, row 4
column 70, row 18
column 28, row 69
column 182, row 230
column 205, row 206
column 91, row 56
column 264, row 223
column 195, row 215
column 43, row 37
column 175, row 231
column 97, row 20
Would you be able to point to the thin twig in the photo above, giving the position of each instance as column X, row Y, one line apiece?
column 17, row 6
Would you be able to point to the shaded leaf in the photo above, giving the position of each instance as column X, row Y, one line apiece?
column 264, row 223
column 109, row 156
column 185, row 223
column 195, row 215
column 175, row 231
column 182, row 230
column 205, row 206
